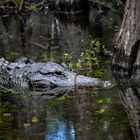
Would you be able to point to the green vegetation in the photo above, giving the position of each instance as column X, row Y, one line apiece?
column 22, row 5
column 90, row 60
column 68, row 60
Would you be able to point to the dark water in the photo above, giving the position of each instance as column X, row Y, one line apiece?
column 82, row 114
column 50, row 36
column 85, row 114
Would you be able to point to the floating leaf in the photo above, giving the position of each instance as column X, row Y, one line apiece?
column 101, row 111
column 26, row 124
column 7, row 114
column 99, row 101
column 34, row 119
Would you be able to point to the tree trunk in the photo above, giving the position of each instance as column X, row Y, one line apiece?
column 127, row 50
column 130, row 96
column 126, row 63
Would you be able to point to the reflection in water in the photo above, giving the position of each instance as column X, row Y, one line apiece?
column 39, row 35
column 83, row 114
column 131, row 97
column 51, row 35
column 57, row 129
column 55, row 32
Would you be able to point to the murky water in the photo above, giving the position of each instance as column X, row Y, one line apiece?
column 41, row 36
column 82, row 114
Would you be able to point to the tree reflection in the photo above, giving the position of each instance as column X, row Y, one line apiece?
column 79, row 114
column 130, row 96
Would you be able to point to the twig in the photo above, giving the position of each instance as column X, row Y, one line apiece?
column 39, row 45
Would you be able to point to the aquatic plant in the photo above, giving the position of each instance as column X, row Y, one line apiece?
column 90, row 60
column 68, row 60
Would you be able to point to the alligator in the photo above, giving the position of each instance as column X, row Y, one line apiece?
column 30, row 75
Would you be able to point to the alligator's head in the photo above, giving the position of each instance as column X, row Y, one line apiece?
column 44, row 76
column 52, row 75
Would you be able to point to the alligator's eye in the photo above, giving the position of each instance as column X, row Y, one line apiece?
column 58, row 73
column 8, row 68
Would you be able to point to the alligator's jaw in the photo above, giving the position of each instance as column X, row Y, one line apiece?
column 72, row 81
column 87, row 81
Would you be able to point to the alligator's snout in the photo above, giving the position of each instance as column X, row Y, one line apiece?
column 87, row 81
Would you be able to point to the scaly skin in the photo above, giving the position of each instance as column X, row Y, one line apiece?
column 43, row 75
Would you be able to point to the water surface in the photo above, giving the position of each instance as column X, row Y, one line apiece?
column 80, row 114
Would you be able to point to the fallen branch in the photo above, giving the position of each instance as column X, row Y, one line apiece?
column 39, row 45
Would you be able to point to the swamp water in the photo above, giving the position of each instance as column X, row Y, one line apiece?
column 81, row 114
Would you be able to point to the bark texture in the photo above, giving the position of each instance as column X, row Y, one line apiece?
column 127, row 53
column 131, row 100
column 126, row 63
